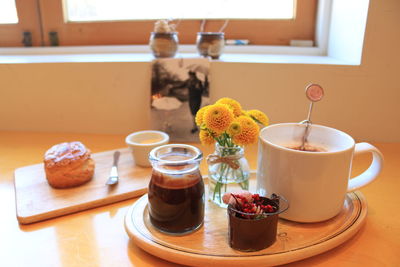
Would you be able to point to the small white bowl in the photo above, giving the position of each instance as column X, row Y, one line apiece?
column 141, row 143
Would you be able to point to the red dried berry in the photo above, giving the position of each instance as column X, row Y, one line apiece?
column 269, row 208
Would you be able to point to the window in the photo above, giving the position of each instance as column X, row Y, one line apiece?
column 95, row 10
column 19, row 18
column 96, row 22
column 8, row 12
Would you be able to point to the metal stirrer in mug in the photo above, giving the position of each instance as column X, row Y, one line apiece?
column 314, row 93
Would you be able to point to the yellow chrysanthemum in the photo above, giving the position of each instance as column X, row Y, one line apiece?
column 249, row 131
column 200, row 115
column 206, row 137
column 217, row 118
column 258, row 116
column 233, row 104
column 234, row 128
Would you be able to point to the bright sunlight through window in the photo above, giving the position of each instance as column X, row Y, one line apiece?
column 105, row 10
column 8, row 12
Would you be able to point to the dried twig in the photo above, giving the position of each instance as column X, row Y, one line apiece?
column 224, row 26
column 202, row 25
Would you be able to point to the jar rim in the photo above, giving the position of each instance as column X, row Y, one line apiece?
column 164, row 33
column 210, row 33
column 198, row 155
column 235, row 147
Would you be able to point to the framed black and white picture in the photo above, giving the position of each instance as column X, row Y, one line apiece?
column 179, row 88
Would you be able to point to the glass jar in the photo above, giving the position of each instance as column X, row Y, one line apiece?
column 228, row 171
column 210, row 44
column 164, row 44
column 176, row 189
column 255, row 231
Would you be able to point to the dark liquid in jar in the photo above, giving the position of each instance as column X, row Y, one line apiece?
column 176, row 202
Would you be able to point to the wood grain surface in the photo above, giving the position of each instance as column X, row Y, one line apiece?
column 96, row 237
column 36, row 200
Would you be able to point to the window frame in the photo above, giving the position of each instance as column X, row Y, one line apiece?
column 265, row 32
column 339, row 46
column 28, row 21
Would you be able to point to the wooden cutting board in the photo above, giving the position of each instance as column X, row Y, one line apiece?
column 36, row 200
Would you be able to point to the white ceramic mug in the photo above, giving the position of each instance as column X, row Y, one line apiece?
column 141, row 143
column 314, row 183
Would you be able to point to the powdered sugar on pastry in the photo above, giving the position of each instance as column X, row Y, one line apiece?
column 64, row 153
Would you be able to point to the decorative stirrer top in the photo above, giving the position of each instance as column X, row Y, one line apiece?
column 314, row 93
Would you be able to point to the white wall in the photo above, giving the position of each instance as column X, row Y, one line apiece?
column 114, row 97
column 347, row 29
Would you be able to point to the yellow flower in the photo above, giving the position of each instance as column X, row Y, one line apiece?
column 206, row 137
column 249, row 131
column 234, row 128
column 233, row 104
column 200, row 115
column 217, row 118
column 258, row 116
column 244, row 113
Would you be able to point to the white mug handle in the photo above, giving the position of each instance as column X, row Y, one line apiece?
column 373, row 170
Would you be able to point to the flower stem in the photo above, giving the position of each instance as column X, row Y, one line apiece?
column 224, row 170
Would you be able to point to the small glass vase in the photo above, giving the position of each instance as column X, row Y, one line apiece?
column 164, row 44
column 228, row 171
column 210, row 44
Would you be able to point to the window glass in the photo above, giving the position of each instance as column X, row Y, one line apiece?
column 8, row 12
column 105, row 10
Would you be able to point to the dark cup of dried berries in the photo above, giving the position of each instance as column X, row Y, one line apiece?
column 253, row 222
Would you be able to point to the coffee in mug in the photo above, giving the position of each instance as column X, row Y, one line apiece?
column 314, row 182
column 308, row 148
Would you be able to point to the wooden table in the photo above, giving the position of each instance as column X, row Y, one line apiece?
column 97, row 237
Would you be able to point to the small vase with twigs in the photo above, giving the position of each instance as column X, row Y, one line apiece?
column 211, row 44
column 164, row 39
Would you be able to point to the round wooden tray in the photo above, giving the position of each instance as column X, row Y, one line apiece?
column 209, row 245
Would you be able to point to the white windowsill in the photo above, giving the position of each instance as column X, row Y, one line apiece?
column 142, row 53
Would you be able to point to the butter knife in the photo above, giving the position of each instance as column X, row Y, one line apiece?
column 113, row 178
